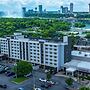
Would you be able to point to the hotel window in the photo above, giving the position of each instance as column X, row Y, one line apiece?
column 55, row 53
column 46, row 58
column 46, row 62
column 46, row 45
column 55, row 60
column 50, row 52
column 50, row 59
column 37, row 53
column 50, row 63
column 34, row 46
column 50, row 45
column 55, row 56
column 55, row 64
column 55, row 46
column 50, row 56
column 30, row 46
column 55, row 49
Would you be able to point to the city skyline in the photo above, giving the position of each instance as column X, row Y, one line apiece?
column 7, row 5
column 80, row 5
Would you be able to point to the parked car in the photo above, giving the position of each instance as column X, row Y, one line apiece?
column 3, row 86
column 42, row 80
column 37, row 88
column 6, row 73
column 51, row 82
column 3, row 71
column 6, row 68
column 44, row 86
column 20, row 88
column 11, row 74
column 29, row 75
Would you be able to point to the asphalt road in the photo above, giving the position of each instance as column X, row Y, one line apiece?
column 28, row 84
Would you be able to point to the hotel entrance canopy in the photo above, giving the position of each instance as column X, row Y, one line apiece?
column 78, row 65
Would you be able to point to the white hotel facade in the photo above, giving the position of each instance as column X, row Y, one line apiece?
column 41, row 52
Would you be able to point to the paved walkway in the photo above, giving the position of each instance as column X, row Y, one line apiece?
column 62, row 75
column 88, row 85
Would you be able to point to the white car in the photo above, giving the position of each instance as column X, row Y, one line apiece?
column 20, row 88
column 42, row 80
column 37, row 88
column 51, row 82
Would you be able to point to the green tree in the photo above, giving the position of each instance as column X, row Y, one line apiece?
column 22, row 68
column 48, row 75
column 84, row 88
column 87, row 35
column 79, row 25
column 69, row 81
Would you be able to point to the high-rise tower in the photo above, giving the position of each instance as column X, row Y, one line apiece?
column 71, row 7
column 89, row 7
column 23, row 11
column 40, row 9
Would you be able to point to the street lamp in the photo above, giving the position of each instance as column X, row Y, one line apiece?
column 16, row 68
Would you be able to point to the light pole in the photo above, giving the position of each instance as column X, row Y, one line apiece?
column 34, row 80
column 16, row 69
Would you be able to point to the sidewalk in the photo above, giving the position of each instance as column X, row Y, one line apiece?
column 59, row 74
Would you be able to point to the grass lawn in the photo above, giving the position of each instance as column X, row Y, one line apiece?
column 19, row 80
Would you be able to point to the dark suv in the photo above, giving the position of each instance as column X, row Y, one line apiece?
column 3, row 86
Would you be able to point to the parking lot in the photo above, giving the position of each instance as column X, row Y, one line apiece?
column 29, row 84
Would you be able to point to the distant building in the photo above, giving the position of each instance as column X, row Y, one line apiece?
column 89, row 7
column 2, row 13
column 35, row 9
column 24, row 11
column 71, row 7
column 40, row 9
column 61, row 9
column 64, row 10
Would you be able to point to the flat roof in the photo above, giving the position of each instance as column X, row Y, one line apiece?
column 78, row 65
column 71, row 69
column 80, row 53
column 82, row 46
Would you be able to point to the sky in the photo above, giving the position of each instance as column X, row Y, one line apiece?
column 15, row 6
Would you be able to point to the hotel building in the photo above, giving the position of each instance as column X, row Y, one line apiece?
column 37, row 51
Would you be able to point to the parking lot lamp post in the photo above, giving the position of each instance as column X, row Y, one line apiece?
column 34, row 79
column 16, row 69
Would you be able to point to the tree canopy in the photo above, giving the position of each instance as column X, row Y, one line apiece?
column 69, row 81
column 34, row 27
column 22, row 68
column 84, row 88
column 79, row 25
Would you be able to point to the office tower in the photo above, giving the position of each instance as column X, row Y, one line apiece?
column 35, row 8
column 65, row 10
column 61, row 9
column 89, row 7
column 40, row 8
column 71, row 7
column 24, row 11
column 44, row 10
